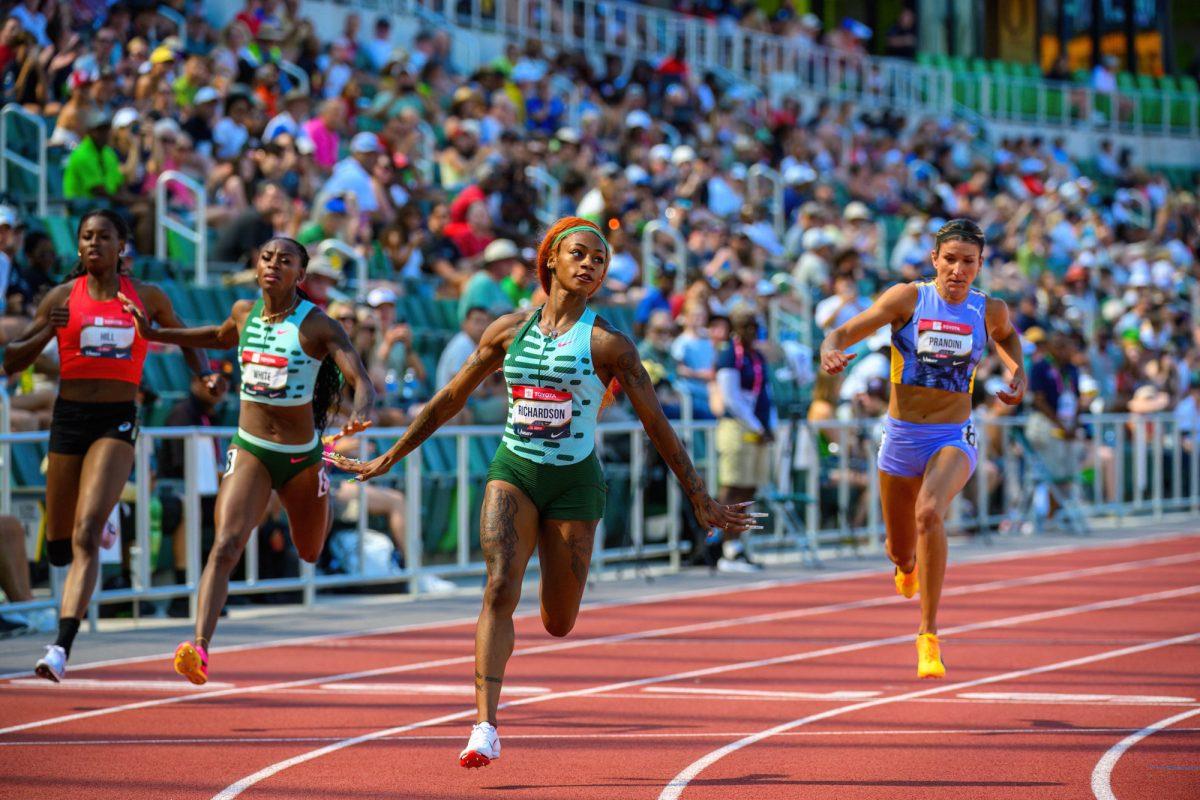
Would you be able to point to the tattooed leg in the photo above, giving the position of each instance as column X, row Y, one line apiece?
column 565, row 553
column 507, row 533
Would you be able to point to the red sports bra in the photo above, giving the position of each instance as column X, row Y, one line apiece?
column 100, row 340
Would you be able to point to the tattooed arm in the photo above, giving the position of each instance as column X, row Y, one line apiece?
column 617, row 357
column 445, row 405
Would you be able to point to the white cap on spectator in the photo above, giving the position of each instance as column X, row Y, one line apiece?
column 1139, row 273
column 811, row 20
column 814, row 238
column 799, row 174
column 568, row 135
column 1163, row 274
column 322, row 266
column 8, row 216
column 500, row 250
column 470, row 126
column 638, row 119
column 636, row 175
column 365, row 143
column 380, row 296
column 124, row 118
column 738, row 172
column 305, row 146
column 166, row 126
column 207, row 94
column 856, row 211
column 682, row 155
column 660, row 152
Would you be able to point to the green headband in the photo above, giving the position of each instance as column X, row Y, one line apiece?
column 577, row 229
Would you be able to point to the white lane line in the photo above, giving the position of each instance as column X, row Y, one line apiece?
column 735, row 694
column 981, row 558
column 670, row 735
column 235, row 789
column 666, row 693
column 574, row 644
column 464, row 689
column 1055, row 697
column 1102, row 774
column 93, row 685
column 674, row 789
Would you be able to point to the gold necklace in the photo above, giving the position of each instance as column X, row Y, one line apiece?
column 270, row 318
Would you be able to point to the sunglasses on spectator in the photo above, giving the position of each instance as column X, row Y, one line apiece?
column 347, row 318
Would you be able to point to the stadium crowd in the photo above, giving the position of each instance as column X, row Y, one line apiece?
column 399, row 155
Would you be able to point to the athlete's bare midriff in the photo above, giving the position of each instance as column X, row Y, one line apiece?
column 279, row 424
column 97, row 390
column 927, row 405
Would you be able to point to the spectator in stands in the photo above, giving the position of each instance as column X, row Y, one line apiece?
column 9, row 236
column 38, row 273
column 334, row 222
column 239, row 241
column 291, row 118
column 747, row 427
column 461, row 345
column 695, row 357
column 845, row 304
column 93, row 170
column 324, row 131
column 395, row 352
column 902, row 37
column 15, row 583
column 483, row 290
column 1053, row 389
column 656, row 298
column 231, row 133
column 199, row 125
column 353, row 175
column 319, row 281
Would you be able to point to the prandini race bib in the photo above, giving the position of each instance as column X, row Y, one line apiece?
column 943, row 344
column 264, row 374
column 540, row 413
column 106, row 337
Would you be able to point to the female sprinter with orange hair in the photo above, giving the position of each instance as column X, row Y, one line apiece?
column 545, row 488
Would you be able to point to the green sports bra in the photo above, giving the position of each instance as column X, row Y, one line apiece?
column 554, row 393
column 275, row 369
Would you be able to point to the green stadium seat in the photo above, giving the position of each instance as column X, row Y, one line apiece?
column 62, row 234
column 1188, row 85
column 27, row 464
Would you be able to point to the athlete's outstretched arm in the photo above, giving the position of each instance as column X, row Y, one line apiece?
column 215, row 337
column 1008, row 347
column 445, row 405
column 161, row 312
column 894, row 305
column 52, row 313
column 616, row 354
column 342, row 352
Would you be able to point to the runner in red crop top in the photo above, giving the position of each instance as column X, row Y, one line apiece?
column 95, row 417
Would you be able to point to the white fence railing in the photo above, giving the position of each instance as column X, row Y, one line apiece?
column 776, row 64
column 10, row 114
column 196, row 233
column 825, row 494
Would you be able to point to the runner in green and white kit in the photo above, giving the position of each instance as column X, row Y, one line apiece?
column 545, row 487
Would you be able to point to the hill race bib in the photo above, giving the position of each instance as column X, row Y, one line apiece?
column 264, row 374
column 944, row 344
column 106, row 337
column 539, row 413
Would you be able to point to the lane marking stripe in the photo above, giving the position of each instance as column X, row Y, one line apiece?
column 235, row 789
column 1102, row 774
column 674, row 789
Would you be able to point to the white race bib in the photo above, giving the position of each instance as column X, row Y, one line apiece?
column 106, row 337
column 540, row 413
column 264, row 374
column 944, row 343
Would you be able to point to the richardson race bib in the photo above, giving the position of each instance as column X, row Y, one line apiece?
column 944, row 344
column 106, row 337
column 541, row 413
column 264, row 374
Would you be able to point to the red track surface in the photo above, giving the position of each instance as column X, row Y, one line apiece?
column 638, row 695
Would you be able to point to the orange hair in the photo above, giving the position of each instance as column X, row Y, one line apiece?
column 546, row 249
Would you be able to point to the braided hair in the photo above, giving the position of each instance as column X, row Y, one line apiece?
column 327, row 391
column 118, row 224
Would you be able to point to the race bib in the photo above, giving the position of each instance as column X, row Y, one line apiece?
column 944, row 344
column 541, row 413
column 106, row 337
column 968, row 435
column 264, row 374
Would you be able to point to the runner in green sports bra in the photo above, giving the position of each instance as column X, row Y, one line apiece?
column 291, row 355
column 545, row 488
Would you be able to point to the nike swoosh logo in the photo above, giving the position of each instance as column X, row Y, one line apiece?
column 298, row 460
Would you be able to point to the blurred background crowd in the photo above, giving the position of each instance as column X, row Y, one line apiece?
column 374, row 148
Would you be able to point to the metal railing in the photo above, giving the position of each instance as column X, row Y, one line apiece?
column 1130, row 466
column 10, row 114
column 6, row 467
column 777, row 65
column 197, row 233
column 549, row 194
column 650, row 258
column 755, row 176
